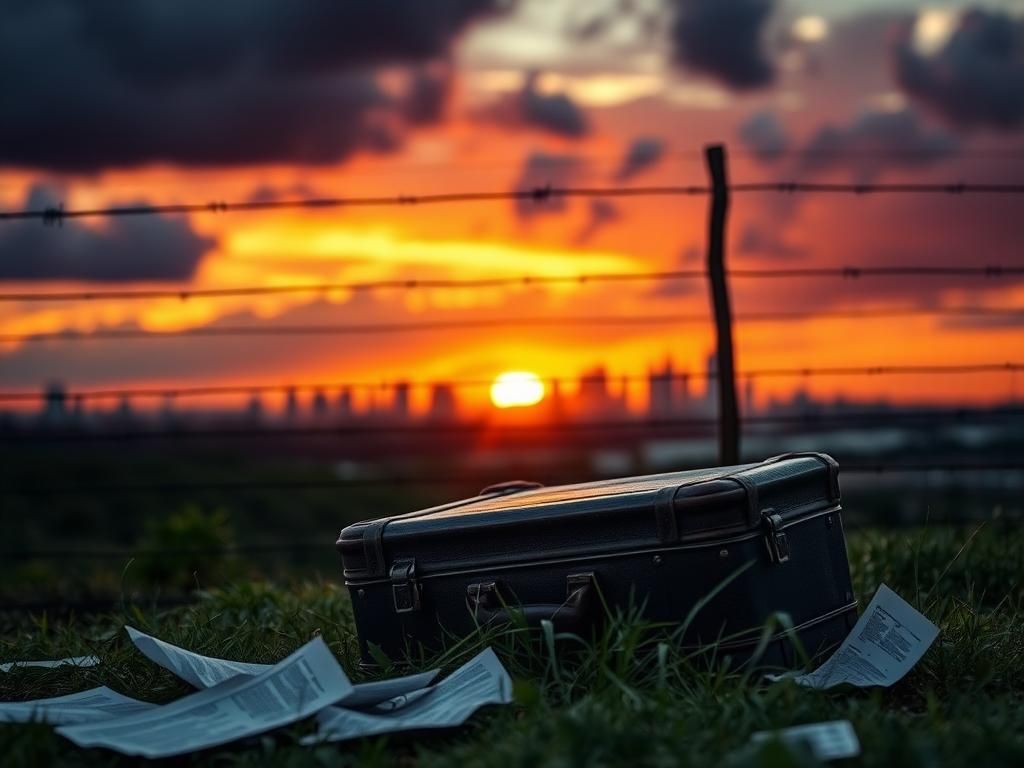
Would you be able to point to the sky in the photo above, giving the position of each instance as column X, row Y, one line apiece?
column 108, row 103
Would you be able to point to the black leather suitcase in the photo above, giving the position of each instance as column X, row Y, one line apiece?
column 771, row 532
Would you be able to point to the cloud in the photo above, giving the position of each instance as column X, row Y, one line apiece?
column 602, row 213
column 145, row 248
column 723, row 39
column 764, row 135
column 540, row 170
column 875, row 141
column 976, row 77
column 551, row 112
column 645, row 152
column 109, row 84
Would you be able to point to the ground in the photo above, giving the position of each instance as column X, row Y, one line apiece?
column 619, row 700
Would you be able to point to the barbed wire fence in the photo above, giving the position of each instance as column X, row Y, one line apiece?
column 728, row 425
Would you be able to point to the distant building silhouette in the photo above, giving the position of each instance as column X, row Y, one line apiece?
column 54, row 403
column 321, row 410
column 254, row 409
column 345, row 403
column 291, row 404
column 400, row 401
column 442, row 403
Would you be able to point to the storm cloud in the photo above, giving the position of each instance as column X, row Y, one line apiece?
column 88, row 86
column 976, row 78
column 146, row 248
column 723, row 39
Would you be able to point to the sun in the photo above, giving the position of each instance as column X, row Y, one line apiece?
column 517, row 389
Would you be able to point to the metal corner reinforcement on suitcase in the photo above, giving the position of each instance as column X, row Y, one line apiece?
column 766, row 537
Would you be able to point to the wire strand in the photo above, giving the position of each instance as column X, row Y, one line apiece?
column 58, row 214
column 347, row 329
column 847, row 272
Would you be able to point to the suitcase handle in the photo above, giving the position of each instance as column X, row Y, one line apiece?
column 573, row 615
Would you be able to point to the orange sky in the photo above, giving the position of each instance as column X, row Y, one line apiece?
column 468, row 153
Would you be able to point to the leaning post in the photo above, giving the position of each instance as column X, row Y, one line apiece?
column 728, row 411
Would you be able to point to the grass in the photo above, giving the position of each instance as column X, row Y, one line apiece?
column 621, row 699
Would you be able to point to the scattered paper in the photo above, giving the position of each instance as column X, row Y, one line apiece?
column 482, row 680
column 83, row 707
column 304, row 683
column 205, row 671
column 887, row 641
column 194, row 668
column 833, row 740
column 71, row 661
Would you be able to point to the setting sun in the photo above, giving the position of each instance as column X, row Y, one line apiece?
column 517, row 388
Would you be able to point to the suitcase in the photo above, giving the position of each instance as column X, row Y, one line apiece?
column 767, row 536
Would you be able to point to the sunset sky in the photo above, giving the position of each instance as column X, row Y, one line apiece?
column 164, row 102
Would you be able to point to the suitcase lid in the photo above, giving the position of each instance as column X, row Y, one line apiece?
column 521, row 522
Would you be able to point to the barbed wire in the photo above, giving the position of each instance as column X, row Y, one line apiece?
column 557, row 321
column 56, row 215
column 257, row 388
column 184, row 294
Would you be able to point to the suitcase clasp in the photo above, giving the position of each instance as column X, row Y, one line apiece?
column 405, row 590
column 775, row 536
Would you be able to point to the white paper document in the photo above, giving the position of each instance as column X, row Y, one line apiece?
column 198, row 670
column 888, row 640
column 833, row 740
column 71, row 661
column 482, row 680
column 304, row 683
column 206, row 671
column 83, row 707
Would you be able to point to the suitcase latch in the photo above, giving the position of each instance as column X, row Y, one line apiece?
column 775, row 537
column 405, row 590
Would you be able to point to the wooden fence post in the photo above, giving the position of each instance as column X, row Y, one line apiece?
column 728, row 412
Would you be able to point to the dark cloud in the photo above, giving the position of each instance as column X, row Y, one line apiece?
column 554, row 113
column 541, row 170
column 723, row 39
column 88, row 86
column 876, row 141
column 976, row 78
column 127, row 248
column 764, row 135
column 645, row 152
column 601, row 213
